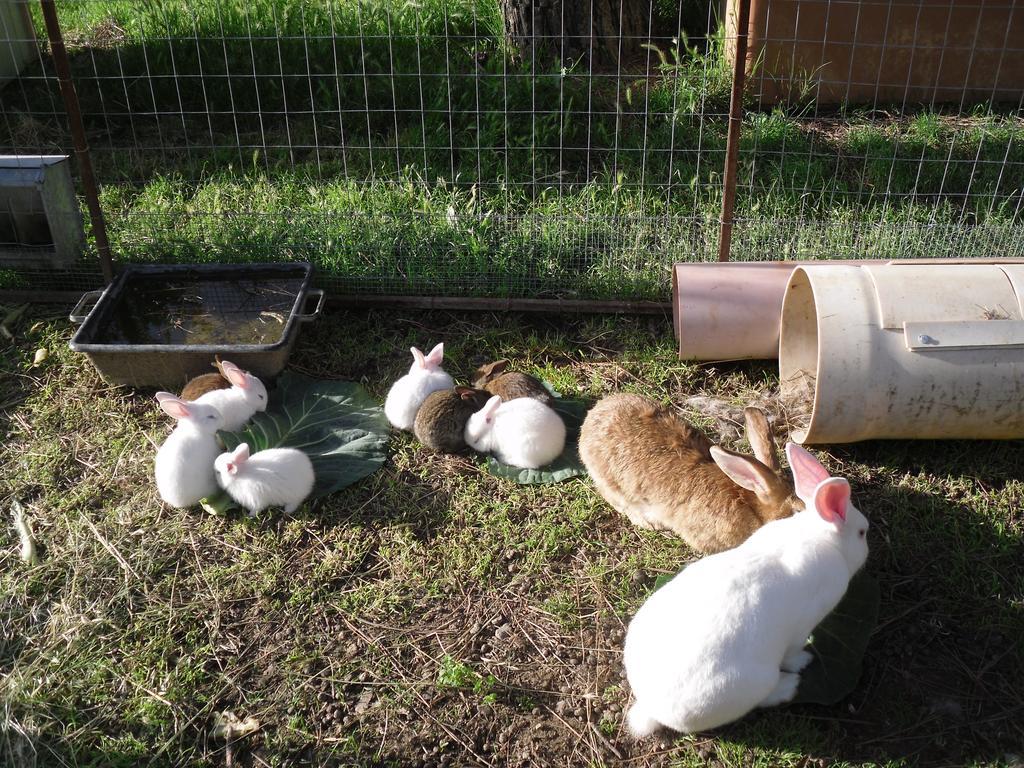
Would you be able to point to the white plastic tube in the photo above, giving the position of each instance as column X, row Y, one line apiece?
column 905, row 350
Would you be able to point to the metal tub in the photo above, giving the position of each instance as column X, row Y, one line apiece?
column 161, row 325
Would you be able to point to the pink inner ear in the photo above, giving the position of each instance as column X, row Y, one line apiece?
column 831, row 499
column 235, row 375
column 492, row 406
column 232, row 468
column 739, row 470
column 807, row 470
column 175, row 408
column 436, row 355
column 417, row 356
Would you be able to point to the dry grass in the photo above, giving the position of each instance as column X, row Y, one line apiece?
column 796, row 400
column 435, row 615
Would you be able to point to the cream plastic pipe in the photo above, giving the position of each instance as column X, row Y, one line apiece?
column 730, row 311
column 905, row 350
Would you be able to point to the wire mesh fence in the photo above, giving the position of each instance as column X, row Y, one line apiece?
column 898, row 123
column 544, row 148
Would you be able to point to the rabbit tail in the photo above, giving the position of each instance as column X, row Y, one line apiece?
column 641, row 723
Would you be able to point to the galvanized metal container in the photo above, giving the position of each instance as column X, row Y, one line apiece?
column 206, row 300
column 40, row 221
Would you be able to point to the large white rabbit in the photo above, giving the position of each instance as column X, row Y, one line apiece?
column 184, row 463
column 270, row 478
column 237, row 404
column 408, row 393
column 522, row 432
column 727, row 634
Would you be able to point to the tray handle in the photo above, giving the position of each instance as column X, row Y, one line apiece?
column 76, row 315
column 306, row 317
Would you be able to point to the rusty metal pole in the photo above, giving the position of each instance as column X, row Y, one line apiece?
column 732, row 146
column 74, row 112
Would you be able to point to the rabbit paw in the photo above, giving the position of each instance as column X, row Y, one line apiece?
column 784, row 690
column 794, row 661
column 637, row 518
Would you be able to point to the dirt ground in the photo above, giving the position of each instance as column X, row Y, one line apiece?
column 434, row 615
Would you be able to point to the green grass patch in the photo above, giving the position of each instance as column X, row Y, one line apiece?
column 404, row 148
column 454, row 611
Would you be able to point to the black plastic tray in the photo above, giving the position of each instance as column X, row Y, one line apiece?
column 200, row 300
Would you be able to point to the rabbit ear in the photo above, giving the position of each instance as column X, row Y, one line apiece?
column 491, row 406
column 466, row 393
column 744, row 471
column 831, row 498
column 172, row 406
column 240, row 454
column 418, row 357
column 498, row 366
column 234, row 374
column 759, row 435
column 436, row 355
column 807, row 471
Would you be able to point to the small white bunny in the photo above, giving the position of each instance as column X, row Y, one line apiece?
column 271, row 478
column 727, row 634
column 522, row 432
column 184, row 463
column 237, row 404
column 408, row 393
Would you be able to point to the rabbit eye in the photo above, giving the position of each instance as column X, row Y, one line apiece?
column 261, row 397
column 862, row 532
column 211, row 416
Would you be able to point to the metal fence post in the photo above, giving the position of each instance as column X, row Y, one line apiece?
column 74, row 112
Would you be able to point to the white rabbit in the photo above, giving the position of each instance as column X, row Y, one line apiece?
column 271, row 478
column 237, row 404
column 408, row 393
column 727, row 634
column 522, row 432
column 184, row 463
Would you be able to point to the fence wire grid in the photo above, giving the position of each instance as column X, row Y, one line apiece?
column 544, row 148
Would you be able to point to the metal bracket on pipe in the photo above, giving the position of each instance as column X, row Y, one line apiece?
column 963, row 334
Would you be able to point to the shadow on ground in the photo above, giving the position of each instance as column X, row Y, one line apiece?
column 942, row 676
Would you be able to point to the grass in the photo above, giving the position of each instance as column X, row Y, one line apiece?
column 405, row 148
column 433, row 614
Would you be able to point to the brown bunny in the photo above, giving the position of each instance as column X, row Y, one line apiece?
column 663, row 473
column 206, row 382
column 510, row 385
column 441, row 420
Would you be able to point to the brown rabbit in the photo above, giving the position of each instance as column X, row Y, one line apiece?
column 510, row 385
column 663, row 473
column 206, row 382
column 441, row 421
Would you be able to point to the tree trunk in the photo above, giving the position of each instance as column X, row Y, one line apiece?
column 603, row 32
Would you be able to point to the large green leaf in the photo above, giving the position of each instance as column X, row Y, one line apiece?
column 838, row 643
column 336, row 423
column 565, row 466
